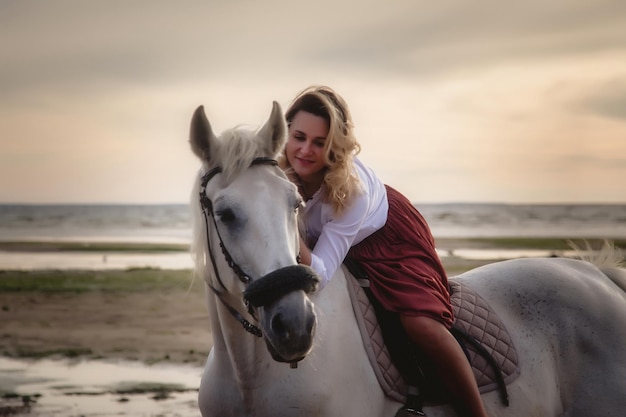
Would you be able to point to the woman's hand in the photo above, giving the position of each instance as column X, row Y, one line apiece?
column 305, row 253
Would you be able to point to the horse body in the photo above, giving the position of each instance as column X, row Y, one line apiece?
column 567, row 318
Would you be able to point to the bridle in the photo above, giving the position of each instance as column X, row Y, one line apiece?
column 261, row 291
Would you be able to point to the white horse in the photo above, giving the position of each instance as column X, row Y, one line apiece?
column 567, row 318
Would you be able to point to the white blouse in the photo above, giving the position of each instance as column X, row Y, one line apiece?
column 333, row 235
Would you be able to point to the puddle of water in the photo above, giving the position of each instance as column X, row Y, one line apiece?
column 93, row 260
column 99, row 388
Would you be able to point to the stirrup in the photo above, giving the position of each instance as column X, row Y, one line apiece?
column 409, row 412
column 413, row 405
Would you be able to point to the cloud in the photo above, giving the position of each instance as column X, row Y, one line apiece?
column 418, row 42
column 592, row 162
column 608, row 101
column 102, row 43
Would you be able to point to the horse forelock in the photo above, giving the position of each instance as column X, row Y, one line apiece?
column 238, row 147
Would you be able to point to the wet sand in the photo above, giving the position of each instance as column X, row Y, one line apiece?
column 143, row 326
column 61, row 388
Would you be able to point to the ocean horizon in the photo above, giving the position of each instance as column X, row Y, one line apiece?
column 158, row 223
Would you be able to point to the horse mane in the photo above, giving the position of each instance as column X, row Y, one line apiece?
column 198, row 247
column 608, row 256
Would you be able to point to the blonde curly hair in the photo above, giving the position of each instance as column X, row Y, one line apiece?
column 340, row 147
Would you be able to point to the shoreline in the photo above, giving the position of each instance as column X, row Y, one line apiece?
column 458, row 254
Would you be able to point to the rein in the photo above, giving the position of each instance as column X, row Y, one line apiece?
column 264, row 290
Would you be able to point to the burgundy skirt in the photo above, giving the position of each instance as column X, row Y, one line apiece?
column 406, row 274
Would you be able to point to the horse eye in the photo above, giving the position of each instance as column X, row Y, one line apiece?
column 226, row 215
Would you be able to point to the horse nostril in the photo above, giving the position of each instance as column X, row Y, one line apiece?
column 278, row 326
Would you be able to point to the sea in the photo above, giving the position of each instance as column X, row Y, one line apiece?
column 171, row 223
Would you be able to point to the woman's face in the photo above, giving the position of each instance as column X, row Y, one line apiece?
column 305, row 146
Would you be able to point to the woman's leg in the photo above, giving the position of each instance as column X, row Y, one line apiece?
column 442, row 348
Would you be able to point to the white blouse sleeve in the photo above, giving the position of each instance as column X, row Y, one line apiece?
column 336, row 238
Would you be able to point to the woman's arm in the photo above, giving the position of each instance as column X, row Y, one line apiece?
column 335, row 240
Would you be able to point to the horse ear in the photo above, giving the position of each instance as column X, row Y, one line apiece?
column 274, row 131
column 201, row 135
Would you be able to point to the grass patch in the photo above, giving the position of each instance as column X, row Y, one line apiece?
column 457, row 266
column 136, row 279
column 23, row 353
column 159, row 391
column 553, row 243
column 542, row 243
column 130, row 388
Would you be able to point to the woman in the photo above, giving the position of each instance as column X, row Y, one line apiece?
column 349, row 211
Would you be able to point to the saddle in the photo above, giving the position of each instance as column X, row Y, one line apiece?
column 404, row 373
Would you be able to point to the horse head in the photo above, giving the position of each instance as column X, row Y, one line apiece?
column 248, row 248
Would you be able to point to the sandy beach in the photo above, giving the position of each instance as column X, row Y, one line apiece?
column 145, row 326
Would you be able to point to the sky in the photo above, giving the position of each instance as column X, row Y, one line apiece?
column 453, row 101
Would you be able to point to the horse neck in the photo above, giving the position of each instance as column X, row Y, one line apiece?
column 338, row 335
column 339, row 350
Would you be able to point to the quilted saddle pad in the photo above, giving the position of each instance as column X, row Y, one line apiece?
column 473, row 316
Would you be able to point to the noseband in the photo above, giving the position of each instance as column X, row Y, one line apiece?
column 266, row 289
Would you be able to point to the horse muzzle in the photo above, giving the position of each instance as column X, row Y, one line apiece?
column 286, row 314
column 289, row 334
